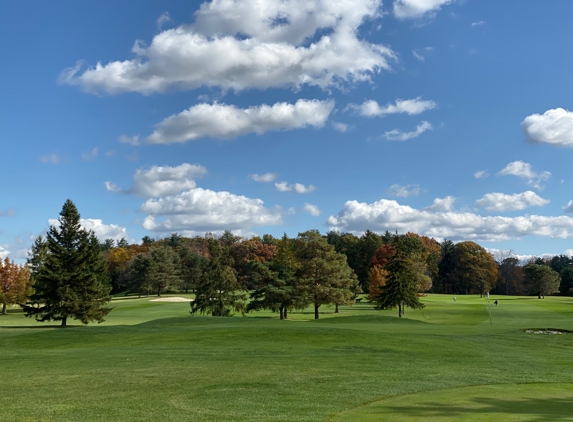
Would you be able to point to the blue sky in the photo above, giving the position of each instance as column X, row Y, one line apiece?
column 447, row 118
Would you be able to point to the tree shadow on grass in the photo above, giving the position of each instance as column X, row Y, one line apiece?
column 538, row 410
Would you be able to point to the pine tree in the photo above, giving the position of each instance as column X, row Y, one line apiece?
column 70, row 281
column 218, row 292
column 164, row 271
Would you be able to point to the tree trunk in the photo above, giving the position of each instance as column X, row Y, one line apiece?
column 159, row 292
column 281, row 312
column 400, row 310
column 316, row 311
column 285, row 313
column 64, row 320
column 4, row 312
column 336, row 309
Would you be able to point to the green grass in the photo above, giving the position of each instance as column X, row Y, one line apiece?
column 154, row 361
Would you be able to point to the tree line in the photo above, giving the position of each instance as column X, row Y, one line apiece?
column 69, row 274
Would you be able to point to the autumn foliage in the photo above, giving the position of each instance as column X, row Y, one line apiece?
column 14, row 283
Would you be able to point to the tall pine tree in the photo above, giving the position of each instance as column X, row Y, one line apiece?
column 71, row 281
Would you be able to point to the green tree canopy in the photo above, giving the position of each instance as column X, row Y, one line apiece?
column 541, row 279
column 72, row 281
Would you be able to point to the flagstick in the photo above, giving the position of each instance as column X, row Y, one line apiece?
column 489, row 307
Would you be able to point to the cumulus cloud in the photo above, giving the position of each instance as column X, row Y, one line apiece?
column 501, row 202
column 481, row 174
column 554, row 127
column 421, row 53
column 524, row 170
column 442, row 204
column 569, row 207
column 249, row 44
column 51, row 159
column 398, row 135
column 162, row 180
column 4, row 252
column 312, row 209
column 415, row 106
column 223, row 121
column 101, row 230
column 263, row 178
column 90, row 155
column 356, row 217
column 569, row 252
column 206, row 210
column 407, row 9
column 403, row 191
column 295, row 187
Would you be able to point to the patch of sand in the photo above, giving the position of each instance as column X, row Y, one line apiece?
column 171, row 299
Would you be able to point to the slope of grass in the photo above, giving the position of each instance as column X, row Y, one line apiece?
column 154, row 361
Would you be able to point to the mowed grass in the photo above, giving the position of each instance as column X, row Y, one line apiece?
column 154, row 361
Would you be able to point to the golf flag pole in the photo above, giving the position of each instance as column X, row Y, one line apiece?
column 489, row 308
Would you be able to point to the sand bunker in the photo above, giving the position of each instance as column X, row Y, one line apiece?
column 171, row 299
column 550, row 331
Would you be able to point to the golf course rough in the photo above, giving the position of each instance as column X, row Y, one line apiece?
column 154, row 361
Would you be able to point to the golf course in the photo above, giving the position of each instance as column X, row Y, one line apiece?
column 453, row 360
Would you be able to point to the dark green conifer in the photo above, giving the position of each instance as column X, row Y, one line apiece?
column 71, row 281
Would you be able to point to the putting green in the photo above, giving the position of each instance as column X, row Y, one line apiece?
column 502, row 402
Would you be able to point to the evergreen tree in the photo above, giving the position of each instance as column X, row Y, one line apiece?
column 164, row 269
column 218, row 292
column 72, row 281
column 323, row 273
column 192, row 267
column 541, row 280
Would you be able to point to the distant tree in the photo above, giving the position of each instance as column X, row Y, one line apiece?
column 146, row 240
column 107, row 245
column 446, row 269
column 510, row 275
column 137, row 275
column 122, row 243
column 402, row 282
column 219, row 293
column 475, row 269
column 14, row 284
column 566, row 286
column 365, row 249
column 378, row 274
column 541, row 279
column 72, row 281
column 323, row 273
column 192, row 267
column 277, row 289
column 164, row 269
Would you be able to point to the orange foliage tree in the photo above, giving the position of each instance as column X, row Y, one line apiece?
column 14, row 283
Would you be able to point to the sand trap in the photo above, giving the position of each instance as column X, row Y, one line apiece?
column 171, row 299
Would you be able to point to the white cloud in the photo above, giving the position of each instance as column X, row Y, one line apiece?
column 403, row 191
column 4, row 252
column 163, row 19
column 312, row 209
column 404, row 9
column 481, row 174
column 162, row 180
column 132, row 140
column 263, row 178
column 223, row 121
column 569, row 207
column 422, row 53
column 356, row 217
column 442, row 204
column 372, row 109
column 569, row 252
column 398, row 135
column 340, row 127
column 101, row 230
column 480, row 23
column 295, row 187
column 51, row 159
column 249, row 44
column 554, row 127
column 524, row 170
column 90, row 155
column 205, row 210
column 501, row 202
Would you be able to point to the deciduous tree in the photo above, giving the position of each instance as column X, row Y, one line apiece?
column 14, row 284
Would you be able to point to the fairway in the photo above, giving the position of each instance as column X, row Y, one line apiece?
column 154, row 361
